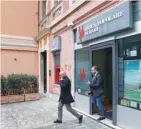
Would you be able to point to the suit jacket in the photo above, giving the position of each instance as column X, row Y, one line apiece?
column 96, row 85
column 65, row 94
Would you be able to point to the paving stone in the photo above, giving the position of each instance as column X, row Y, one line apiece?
column 40, row 115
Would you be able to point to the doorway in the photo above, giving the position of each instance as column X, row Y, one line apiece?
column 103, row 59
column 44, row 70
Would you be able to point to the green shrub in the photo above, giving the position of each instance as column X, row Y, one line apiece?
column 15, row 83
column 4, row 86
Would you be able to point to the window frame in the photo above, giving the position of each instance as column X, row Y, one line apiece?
column 56, row 66
column 44, row 2
column 122, row 45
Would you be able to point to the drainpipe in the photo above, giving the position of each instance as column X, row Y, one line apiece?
column 38, row 14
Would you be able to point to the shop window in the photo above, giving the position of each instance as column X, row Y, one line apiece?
column 82, row 71
column 57, row 66
column 129, row 72
column 136, row 10
column 75, row 35
column 43, row 8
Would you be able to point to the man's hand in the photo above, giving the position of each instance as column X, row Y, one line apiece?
column 88, row 83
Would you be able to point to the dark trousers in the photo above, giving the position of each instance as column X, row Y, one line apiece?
column 98, row 101
column 69, row 108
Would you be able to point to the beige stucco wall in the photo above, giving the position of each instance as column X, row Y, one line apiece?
column 19, row 18
column 26, row 62
column 19, row 22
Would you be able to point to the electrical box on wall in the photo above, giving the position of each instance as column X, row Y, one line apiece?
column 49, row 72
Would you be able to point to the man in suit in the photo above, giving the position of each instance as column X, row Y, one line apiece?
column 96, row 90
column 66, row 98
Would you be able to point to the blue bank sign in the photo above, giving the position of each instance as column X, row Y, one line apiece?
column 56, row 44
column 113, row 20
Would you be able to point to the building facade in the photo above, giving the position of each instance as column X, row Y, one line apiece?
column 73, row 36
column 19, row 25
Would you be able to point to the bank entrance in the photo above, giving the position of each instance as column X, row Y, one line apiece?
column 103, row 59
column 44, row 71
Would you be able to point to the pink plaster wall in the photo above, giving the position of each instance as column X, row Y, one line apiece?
column 67, row 52
column 51, row 67
column 26, row 63
column 19, row 18
column 66, row 58
column 81, row 11
column 77, row 14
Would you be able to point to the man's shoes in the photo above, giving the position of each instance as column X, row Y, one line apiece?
column 101, row 118
column 80, row 119
column 58, row 121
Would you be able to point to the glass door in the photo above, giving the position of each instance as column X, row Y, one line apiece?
column 82, row 72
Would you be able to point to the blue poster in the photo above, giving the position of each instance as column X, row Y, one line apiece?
column 132, row 80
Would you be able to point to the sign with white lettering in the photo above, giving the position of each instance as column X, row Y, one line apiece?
column 56, row 44
column 113, row 20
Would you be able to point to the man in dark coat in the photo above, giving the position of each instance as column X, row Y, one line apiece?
column 66, row 98
column 97, row 91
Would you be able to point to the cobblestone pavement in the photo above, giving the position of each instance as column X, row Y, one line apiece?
column 40, row 114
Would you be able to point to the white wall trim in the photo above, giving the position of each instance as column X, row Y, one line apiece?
column 39, row 62
column 47, row 67
column 16, row 37
column 18, row 43
column 44, row 47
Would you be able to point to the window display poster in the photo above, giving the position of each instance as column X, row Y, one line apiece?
column 82, row 75
column 132, row 80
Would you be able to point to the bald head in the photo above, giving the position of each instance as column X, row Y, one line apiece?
column 62, row 74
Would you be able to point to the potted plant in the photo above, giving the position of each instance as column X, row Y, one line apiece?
column 4, row 92
column 16, row 93
column 31, row 88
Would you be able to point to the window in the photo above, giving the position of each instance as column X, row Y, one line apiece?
column 57, row 13
column 129, row 71
column 135, row 1
column 82, row 70
column 75, row 35
column 43, row 8
column 57, row 66
column 136, row 10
